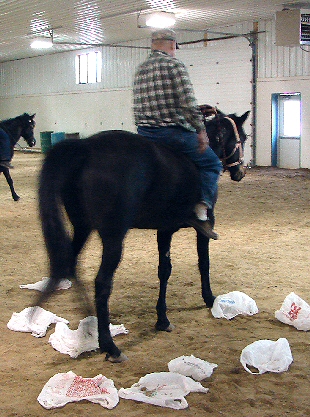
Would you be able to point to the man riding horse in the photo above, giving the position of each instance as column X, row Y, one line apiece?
column 166, row 111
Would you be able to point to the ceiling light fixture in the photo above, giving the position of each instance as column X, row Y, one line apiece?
column 42, row 43
column 160, row 20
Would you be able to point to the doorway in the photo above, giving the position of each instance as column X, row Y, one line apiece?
column 286, row 130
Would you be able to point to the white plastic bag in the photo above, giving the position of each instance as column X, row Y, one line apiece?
column 64, row 284
column 233, row 303
column 84, row 339
column 67, row 387
column 33, row 319
column 295, row 312
column 196, row 368
column 166, row 389
column 267, row 356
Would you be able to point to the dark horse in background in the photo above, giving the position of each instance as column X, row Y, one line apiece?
column 114, row 181
column 20, row 126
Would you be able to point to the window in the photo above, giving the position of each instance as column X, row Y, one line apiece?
column 290, row 115
column 88, row 68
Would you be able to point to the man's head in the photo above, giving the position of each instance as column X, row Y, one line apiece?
column 165, row 40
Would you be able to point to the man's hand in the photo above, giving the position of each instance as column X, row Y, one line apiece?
column 203, row 141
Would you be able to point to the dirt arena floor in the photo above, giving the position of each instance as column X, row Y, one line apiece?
column 263, row 250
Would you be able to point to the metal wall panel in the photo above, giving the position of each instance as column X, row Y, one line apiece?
column 220, row 76
column 280, row 61
column 220, row 72
column 56, row 73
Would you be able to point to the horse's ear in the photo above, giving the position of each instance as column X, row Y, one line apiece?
column 244, row 116
column 32, row 117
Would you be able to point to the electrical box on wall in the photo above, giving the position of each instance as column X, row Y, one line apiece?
column 293, row 27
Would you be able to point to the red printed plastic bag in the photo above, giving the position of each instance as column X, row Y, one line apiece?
column 68, row 387
column 295, row 312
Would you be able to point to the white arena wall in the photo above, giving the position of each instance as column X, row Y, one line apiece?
column 221, row 73
column 280, row 70
column 83, row 112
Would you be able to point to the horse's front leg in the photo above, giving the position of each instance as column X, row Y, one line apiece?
column 204, row 268
column 103, row 288
column 6, row 173
column 164, row 272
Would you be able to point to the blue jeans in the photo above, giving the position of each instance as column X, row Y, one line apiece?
column 5, row 146
column 208, row 163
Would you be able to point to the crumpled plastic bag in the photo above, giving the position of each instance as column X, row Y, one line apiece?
column 67, row 387
column 232, row 304
column 267, row 356
column 64, row 284
column 33, row 319
column 295, row 312
column 165, row 389
column 196, row 368
column 84, row 339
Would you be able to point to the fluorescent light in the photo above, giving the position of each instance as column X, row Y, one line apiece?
column 42, row 43
column 160, row 20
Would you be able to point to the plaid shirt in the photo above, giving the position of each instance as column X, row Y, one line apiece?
column 164, row 95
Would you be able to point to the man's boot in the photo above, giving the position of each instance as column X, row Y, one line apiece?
column 205, row 227
column 6, row 164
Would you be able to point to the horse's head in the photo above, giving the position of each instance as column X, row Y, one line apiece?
column 227, row 138
column 27, row 126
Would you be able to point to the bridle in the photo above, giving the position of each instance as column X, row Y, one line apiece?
column 210, row 111
column 238, row 146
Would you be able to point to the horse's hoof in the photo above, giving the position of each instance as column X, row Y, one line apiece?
column 170, row 328
column 209, row 301
column 165, row 329
column 116, row 359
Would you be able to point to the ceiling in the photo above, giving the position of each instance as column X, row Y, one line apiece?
column 77, row 23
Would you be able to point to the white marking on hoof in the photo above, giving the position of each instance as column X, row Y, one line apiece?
column 170, row 328
column 118, row 359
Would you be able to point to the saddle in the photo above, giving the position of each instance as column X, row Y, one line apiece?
column 207, row 110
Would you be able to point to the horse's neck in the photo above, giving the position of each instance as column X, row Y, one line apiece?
column 12, row 129
column 212, row 131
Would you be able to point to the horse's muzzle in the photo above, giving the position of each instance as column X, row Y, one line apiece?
column 238, row 174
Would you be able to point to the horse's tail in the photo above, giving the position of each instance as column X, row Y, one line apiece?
column 58, row 172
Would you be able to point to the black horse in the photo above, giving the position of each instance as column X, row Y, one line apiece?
column 20, row 126
column 114, row 181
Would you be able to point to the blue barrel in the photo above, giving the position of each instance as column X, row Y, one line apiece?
column 57, row 137
column 45, row 138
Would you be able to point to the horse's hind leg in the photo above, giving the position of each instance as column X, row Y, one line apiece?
column 204, row 268
column 103, row 288
column 9, row 180
column 81, row 232
column 81, row 227
column 164, row 272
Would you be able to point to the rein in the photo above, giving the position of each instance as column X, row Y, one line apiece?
column 238, row 146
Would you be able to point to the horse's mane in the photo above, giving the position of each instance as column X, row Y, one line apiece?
column 10, row 120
